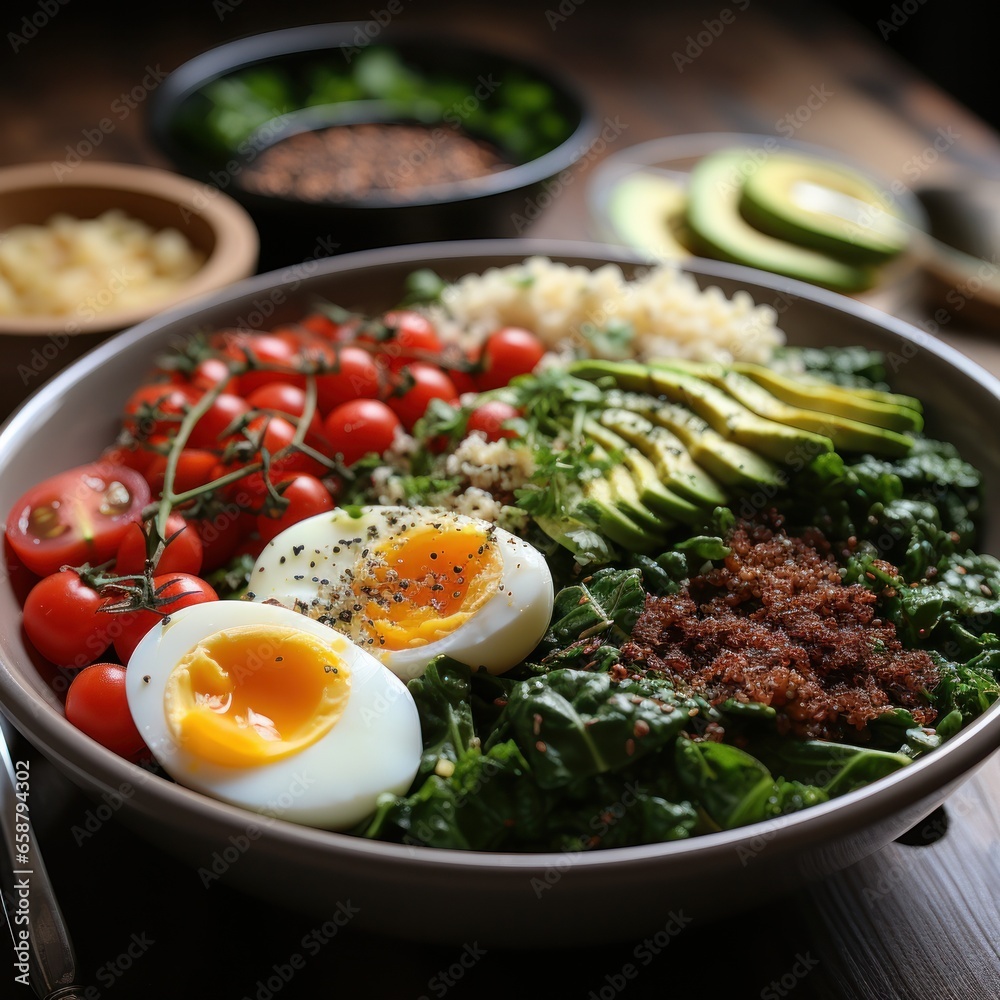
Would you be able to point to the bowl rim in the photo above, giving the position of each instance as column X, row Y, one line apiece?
column 895, row 793
column 234, row 255
column 241, row 53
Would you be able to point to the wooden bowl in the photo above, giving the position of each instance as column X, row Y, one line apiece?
column 35, row 347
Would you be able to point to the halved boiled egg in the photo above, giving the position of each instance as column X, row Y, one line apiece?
column 411, row 583
column 261, row 707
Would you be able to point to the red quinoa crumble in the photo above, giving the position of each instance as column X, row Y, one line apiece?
column 777, row 625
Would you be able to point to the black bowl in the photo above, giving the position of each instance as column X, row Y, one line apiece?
column 294, row 230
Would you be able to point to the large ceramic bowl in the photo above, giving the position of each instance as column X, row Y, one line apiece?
column 503, row 900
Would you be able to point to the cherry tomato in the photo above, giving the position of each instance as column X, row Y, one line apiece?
column 415, row 386
column 356, row 375
column 134, row 456
column 281, row 397
column 213, row 371
column 489, row 418
column 360, row 426
column 219, row 534
column 306, row 495
column 76, row 517
column 182, row 554
column 411, row 337
column 508, row 352
column 63, row 619
column 97, row 705
column 195, row 467
column 157, row 409
column 276, row 356
column 225, row 410
column 174, row 591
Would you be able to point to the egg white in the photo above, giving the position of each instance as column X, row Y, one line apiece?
column 333, row 783
column 305, row 564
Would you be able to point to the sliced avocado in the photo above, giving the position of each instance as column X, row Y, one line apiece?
column 889, row 410
column 846, row 434
column 733, row 464
column 648, row 212
column 674, row 464
column 720, row 230
column 651, row 493
column 600, row 503
column 625, row 496
column 727, row 416
column 821, row 204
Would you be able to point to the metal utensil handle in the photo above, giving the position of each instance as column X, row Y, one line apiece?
column 40, row 925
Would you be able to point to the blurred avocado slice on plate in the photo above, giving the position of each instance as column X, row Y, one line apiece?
column 823, row 205
column 715, row 193
column 648, row 210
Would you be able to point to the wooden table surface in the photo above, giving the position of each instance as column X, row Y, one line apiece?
column 914, row 922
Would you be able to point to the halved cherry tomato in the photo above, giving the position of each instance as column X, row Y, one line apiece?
column 508, row 352
column 97, row 705
column 182, row 554
column 306, row 496
column 360, row 426
column 76, row 517
column 64, row 622
column 174, row 591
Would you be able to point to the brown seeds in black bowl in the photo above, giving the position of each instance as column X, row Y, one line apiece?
column 352, row 162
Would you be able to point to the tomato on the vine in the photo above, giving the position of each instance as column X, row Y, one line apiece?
column 354, row 374
column 172, row 592
column 272, row 358
column 195, row 467
column 306, row 496
column 63, row 620
column 224, row 412
column 182, row 553
column 411, row 337
column 157, row 409
column 75, row 517
column 506, row 353
column 97, row 705
column 360, row 426
column 414, row 387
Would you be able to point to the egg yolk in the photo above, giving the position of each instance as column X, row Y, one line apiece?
column 423, row 584
column 249, row 695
